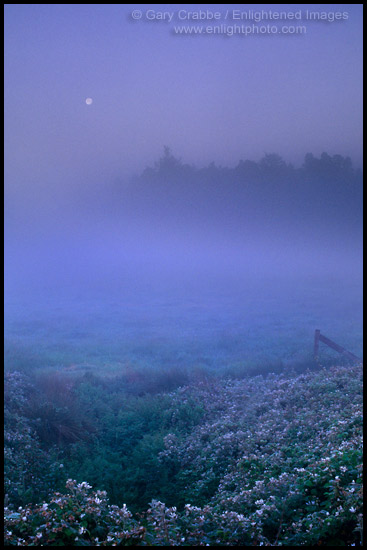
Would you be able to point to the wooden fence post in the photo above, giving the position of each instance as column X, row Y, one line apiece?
column 321, row 338
column 316, row 344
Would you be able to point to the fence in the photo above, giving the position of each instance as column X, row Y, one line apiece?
column 321, row 338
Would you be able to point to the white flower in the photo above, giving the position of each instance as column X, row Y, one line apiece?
column 125, row 511
column 44, row 506
column 39, row 535
column 82, row 530
column 84, row 485
column 352, row 509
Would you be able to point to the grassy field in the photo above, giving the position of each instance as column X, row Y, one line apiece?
column 200, row 409
column 217, row 330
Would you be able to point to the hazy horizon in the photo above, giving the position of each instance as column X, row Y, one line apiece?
column 93, row 95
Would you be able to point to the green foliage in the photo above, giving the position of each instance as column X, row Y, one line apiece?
column 273, row 460
column 30, row 472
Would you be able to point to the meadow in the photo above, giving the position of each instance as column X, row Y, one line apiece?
column 184, row 418
column 215, row 327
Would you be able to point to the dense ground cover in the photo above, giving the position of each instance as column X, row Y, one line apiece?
column 265, row 460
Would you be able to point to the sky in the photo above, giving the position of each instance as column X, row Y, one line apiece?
column 210, row 98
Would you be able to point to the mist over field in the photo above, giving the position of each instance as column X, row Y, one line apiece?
column 194, row 256
column 183, row 210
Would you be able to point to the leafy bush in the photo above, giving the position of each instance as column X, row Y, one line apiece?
column 30, row 472
column 274, row 461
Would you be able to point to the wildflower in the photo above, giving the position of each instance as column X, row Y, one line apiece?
column 352, row 509
column 84, row 485
column 82, row 530
column 44, row 506
column 125, row 511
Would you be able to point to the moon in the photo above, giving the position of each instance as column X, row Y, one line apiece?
column 89, row 101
